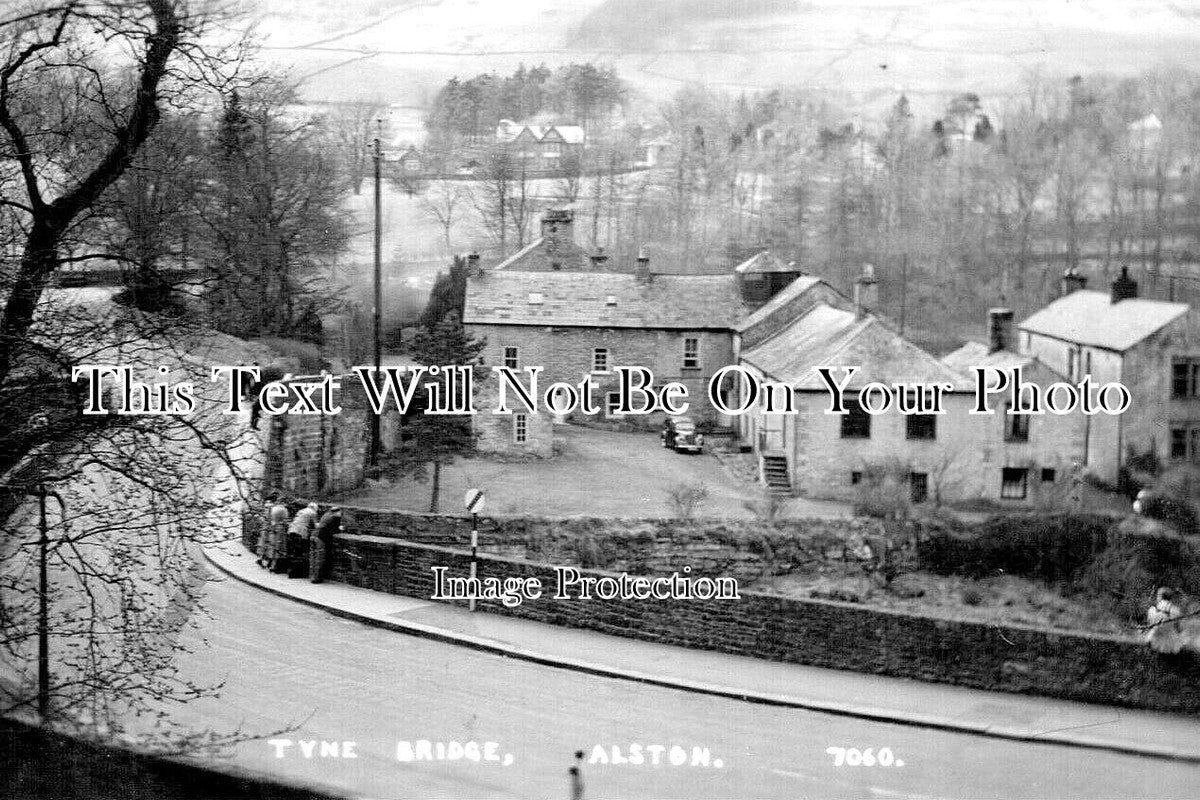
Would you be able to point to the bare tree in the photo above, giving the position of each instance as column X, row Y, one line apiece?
column 445, row 202
column 355, row 126
column 83, row 85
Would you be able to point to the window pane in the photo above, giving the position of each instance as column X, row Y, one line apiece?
column 856, row 423
column 1180, row 373
column 691, row 353
column 1013, row 483
column 921, row 426
column 1178, row 443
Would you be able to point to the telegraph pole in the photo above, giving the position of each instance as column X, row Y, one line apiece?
column 43, row 696
column 378, row 311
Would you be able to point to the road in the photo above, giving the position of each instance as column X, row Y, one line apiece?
column 284, row 663
column 596, row 473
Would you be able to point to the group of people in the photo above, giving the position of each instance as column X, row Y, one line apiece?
column 302, row 547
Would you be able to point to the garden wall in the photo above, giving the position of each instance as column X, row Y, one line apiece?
column 745, row 549
column 823, row 633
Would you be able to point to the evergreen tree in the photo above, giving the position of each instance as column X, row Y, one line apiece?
column 432, row 440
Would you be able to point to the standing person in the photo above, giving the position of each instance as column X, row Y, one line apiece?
column 321, row 545
column 270, row 540
column 1166, row 632
column 297, row 540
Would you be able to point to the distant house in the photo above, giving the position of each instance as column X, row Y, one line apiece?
column 409, row 161
column 650, row 153
column 541, row 147
column 1151, row 346
column 764, row 275
column 1145, row 134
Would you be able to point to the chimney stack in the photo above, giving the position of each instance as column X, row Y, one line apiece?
column 1124, row 287
column 1072, row 281
column 599, row 259
column 474, row 270
column 643, row 266
column 558, row 226
column 866, row 292
column 1000, row 330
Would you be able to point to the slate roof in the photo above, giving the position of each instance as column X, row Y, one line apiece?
column 508, row 131
column 580, row 299
column 975, row 354
column 766, row 261
column 537, row 256
column 1091, row 318
column 789, row 293
column 830, row 337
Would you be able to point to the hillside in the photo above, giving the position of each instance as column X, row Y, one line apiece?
column 873, row 48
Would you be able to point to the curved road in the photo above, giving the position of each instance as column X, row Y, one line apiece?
column 284, row 663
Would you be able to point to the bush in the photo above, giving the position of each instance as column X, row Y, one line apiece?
column 1052, row 548
column 686, row 498
column 883, row 491
column 1124, row 576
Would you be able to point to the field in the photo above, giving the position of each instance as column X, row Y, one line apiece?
column 873, row 49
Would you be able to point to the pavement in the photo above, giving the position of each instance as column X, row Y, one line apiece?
column 847, row 694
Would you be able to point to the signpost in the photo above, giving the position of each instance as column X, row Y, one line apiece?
column 473, row 500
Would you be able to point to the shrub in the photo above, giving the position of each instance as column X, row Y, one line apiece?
column 1049, row 548
column 883, row 491
column 686, row 498
column 972, row 596
column 1124, row 576
column 767, row 508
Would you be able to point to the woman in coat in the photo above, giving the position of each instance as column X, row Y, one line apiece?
column 271, row 541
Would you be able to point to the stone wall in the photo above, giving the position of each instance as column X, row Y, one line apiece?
column 843, row 636
column 316, row 455
column 743, row 549
column 822, row 633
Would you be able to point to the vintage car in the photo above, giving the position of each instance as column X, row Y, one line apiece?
column 679, row 434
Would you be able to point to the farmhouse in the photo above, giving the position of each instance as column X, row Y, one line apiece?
column 572, row 320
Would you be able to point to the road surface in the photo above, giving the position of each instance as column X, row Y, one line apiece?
column 341, row 681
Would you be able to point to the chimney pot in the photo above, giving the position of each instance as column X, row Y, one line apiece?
column 474, row 269
column 866, row 292
column 1072, row 281
column 599, row 258
column 557, row 225
column 643, row 266
column 1000, row 329
column 1124, row 287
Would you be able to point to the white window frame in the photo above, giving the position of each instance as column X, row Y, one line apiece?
column 600, row 360
column 611, row 401
column 691, row 361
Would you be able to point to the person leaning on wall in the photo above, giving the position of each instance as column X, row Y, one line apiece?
column 297, row 540
column 321, row 544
